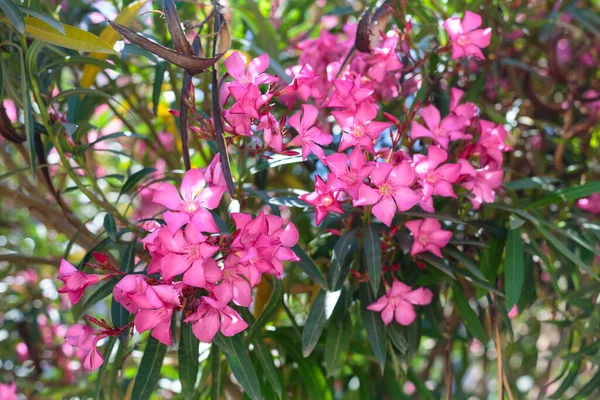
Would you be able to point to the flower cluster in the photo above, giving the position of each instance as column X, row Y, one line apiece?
column 194, row 268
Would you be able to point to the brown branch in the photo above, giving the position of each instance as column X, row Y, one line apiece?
column 20, row 259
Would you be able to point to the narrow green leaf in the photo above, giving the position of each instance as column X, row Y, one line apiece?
column 44, row 17
column 320, row 310
column 159, row 77
column 374, row 325
column 270, row 308
column 110, row 226
column 341, row 260
column 266, row 362
column 491, row 257
column 134, row 179
column 28, row 110
column 187, row 354
column 567, row 194
column 102, row 292
column 439, row 263
column 339, row 332
column 590, row 388
column 128, row 257
column 469, row 317
column 216, row 372
column 309, row 267
column 514, row 267
column 119, row 315
column 13, row 14
column 397, row 337
column 149, row 370
column 241, row 366
column 102, row 371
column 567, row 382
column 64, row 95
column 373, row 256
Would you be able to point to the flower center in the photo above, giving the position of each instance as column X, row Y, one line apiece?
column 462, row 41
column 358, row 131
column 193, row 251
column 423, row 239
column 190, row 206
column 385, row 189
column 327, row 200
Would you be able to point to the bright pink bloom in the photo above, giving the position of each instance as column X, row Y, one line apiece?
column 349, row 93
column 8, row 391
column 193, row 204
column 434, row 179
column 467, row 110
column 491, row 143
column 392, row 191
column 398, row 302
column 156, row 311
column 213, row 176
column 188, row 253
column 481, row 183
column 358, row 128
column 466, row 39
column 304, row 83
column 352, row 176
column 271, row 132
column 212, row 316
column 449, row 129
column 325, row 197
column 248, row 100
column 130, row 292
column 514, row 312
column 310, row 137
column 235, row 284
column 86, row 339
column 428, row 236
column 590, row 204
column 236, row 67
column 385, row 59
column 75, row 281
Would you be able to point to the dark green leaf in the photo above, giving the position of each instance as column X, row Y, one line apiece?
column 79, row 92
column 397, row 337
column 373, row 256
column 590, row 388
column 272, row 305
column 128, row 257
column 307, row 265
column 159, row 77
column 514, row 268
column 13, row 14
column 439, row 263
column 241, row 365
column 28, row 110
column 103, row 291
column 266, row 362
column 44, row 17
column 339, row 332
column 567, row 194
column 110, row 226
column 567, row 382
column 374, row 325
column 149, row 370
column 102, row 371
column 469, row 317
column 341, row 260
column 187, row 354
column 134, row 179
column 216, row 373
column 320, row 310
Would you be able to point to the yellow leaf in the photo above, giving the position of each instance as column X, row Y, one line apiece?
column 74, row 38
column 110, row 36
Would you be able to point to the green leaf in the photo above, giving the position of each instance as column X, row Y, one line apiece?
column 567, row 194
column 187, row 354
column 590, row 388
column 241, row 366
column 65, row 94
column 13, row 14
column 307, row 265
column 373, row 256
column 110, row 226
column 341, row 260
column 491, row 257
column 312, row 377
column 320, row 310
column 216, row 372
column 28, row 110
column 339, row 331
column 45, row 18
column 134, row 179
column 119, row 315
column 439, row 263
column 149, row 370
column 514, row 268
column 269, row 310
column 73, row 38
column 266, row 362
column 102, row 371
column 374, row 325
column 159, row 77
column 567, row 382
column 469, row 317
column 128, row 258
column 397, row 337
column 102, row 292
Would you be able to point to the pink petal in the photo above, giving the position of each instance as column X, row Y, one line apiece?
column 385, row 210
column 204, row 221
column 192, row 184
column 236, row 324
column 236, row 67
column 366, row 196
column 175, row 220
column 194, row 276
column 404, row 313
column 259, row 64
column 223, row 291
column 207, row 327
column 387, row 315
column 419, row 131
column 431, row 116
column 406, row 198
column 470, row 21
column 453, row 27
column 309, row 115
column 399, row 288
column 66, row 268
column 167, row 195
column 420, row 296
column 379, row 304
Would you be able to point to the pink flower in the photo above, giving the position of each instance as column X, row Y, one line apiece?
column 254, row 74
column 75, row 281
column 188, row 253
column 358, row 127
column 514, row 312
column 434, row 179
column 86, row 339
column 213, row 176
column 156, row 311
column 590, row 204
column 304, row 83
column 392, row 191
column 271, row 132
column 248, row 100
column 491, row 143
column 348, row 94
column 352, row 176
column 8, row 391
column 193, row 204
column 481, row 183
column 212, row 316
column 385, row 59
column 131, row 291
column 309, row 136
column 467, row 110
column 428, row 236
column 449, row 129
column 235, row 284
column 466, row 39
column 325, row 197
column 398, row 303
